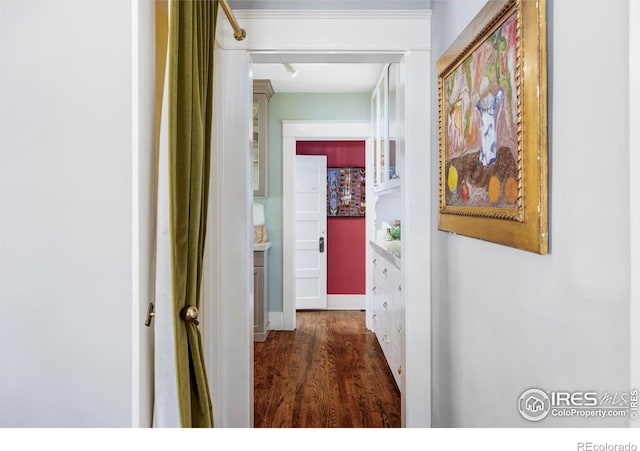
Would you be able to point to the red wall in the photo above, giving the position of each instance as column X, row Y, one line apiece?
column 345, row 236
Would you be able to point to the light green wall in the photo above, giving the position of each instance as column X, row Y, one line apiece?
column 293, row 106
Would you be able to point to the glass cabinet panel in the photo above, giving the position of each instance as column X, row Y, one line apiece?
column 385, row 121
column 375, row 114
column 256, row 149
column 262, row 92
column 392, row 122
column 384, row 128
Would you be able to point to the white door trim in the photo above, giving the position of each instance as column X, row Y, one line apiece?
column 355, row 37
column 293, row 131
column 143, row 201
column 228, row 280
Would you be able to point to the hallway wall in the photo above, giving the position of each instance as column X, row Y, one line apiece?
column 298, row 106
column 505, row 320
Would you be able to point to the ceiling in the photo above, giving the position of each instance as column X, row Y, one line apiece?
column 329, row 77
column 325, row 77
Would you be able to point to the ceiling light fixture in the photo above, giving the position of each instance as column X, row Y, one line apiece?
column 290, row 68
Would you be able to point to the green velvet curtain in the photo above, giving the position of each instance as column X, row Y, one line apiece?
column 191, row 50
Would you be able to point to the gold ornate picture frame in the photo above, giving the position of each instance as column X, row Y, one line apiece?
column 492, row 127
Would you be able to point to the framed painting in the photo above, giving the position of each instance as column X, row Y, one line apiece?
column 492, row 127
column 346, row 192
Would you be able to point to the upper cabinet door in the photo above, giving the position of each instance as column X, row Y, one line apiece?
column 262, row 92
column 385, row 122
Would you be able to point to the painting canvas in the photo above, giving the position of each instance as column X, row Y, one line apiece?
column 346, row 192
column 492, row 127
column 482, row 124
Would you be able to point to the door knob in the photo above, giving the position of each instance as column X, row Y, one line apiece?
column 321, row 244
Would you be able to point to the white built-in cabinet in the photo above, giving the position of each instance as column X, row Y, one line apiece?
column 386, row 296
column 388, row 309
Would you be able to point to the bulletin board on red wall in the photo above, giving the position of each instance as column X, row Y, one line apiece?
column 346, row 191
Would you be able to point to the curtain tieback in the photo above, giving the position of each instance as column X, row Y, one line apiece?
column 190, row 314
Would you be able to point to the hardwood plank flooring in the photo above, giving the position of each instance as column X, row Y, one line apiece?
column 329, row 372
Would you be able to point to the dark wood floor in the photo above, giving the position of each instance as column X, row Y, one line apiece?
column 329, row 372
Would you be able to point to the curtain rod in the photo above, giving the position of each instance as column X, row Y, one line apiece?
column 238, row 32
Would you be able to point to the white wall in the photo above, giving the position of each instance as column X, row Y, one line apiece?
column 66, row 211
column 634, row 166
column 506, row 320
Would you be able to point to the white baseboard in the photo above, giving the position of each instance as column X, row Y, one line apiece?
column 334, row 302
column 275, row 320
column 346, row 302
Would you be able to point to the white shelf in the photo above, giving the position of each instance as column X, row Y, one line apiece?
column 388, row 187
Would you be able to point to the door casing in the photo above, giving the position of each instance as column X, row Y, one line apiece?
column 300, row 36
column 292, row 132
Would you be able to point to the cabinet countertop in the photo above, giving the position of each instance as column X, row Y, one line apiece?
column 260, row 247
column 395, row 261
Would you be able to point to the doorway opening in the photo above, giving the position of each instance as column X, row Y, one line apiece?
column 282, row 37
column 344, row 203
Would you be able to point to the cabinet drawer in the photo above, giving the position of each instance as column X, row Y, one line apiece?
column 385, row 275
column 396, row 349
column 384, row 326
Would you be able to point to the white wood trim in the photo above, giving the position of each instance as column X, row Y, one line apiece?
column 275, row 320
column 288, row 237
column 324, row 14
column 416, row 257
column 344, row 30
column 323, row 57
column 230, row 303
column 346, row 302
column 142, row 208
column 634, row 167
column 212, row 294
column 293, row 131
column 136, row 326
column 326, row 130
column 262, row 336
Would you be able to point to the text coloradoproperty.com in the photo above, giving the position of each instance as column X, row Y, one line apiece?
column 588, row 413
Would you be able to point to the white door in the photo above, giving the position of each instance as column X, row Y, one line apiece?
column 311, row 236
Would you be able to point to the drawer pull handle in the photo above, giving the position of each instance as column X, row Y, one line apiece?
column 374, row 289
column 385, row 338
column 375, row 260
column 399, row 370
column 385, row 271
column 375, row 316
column 386, row 304
column 399, row 287
column 399, row 329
